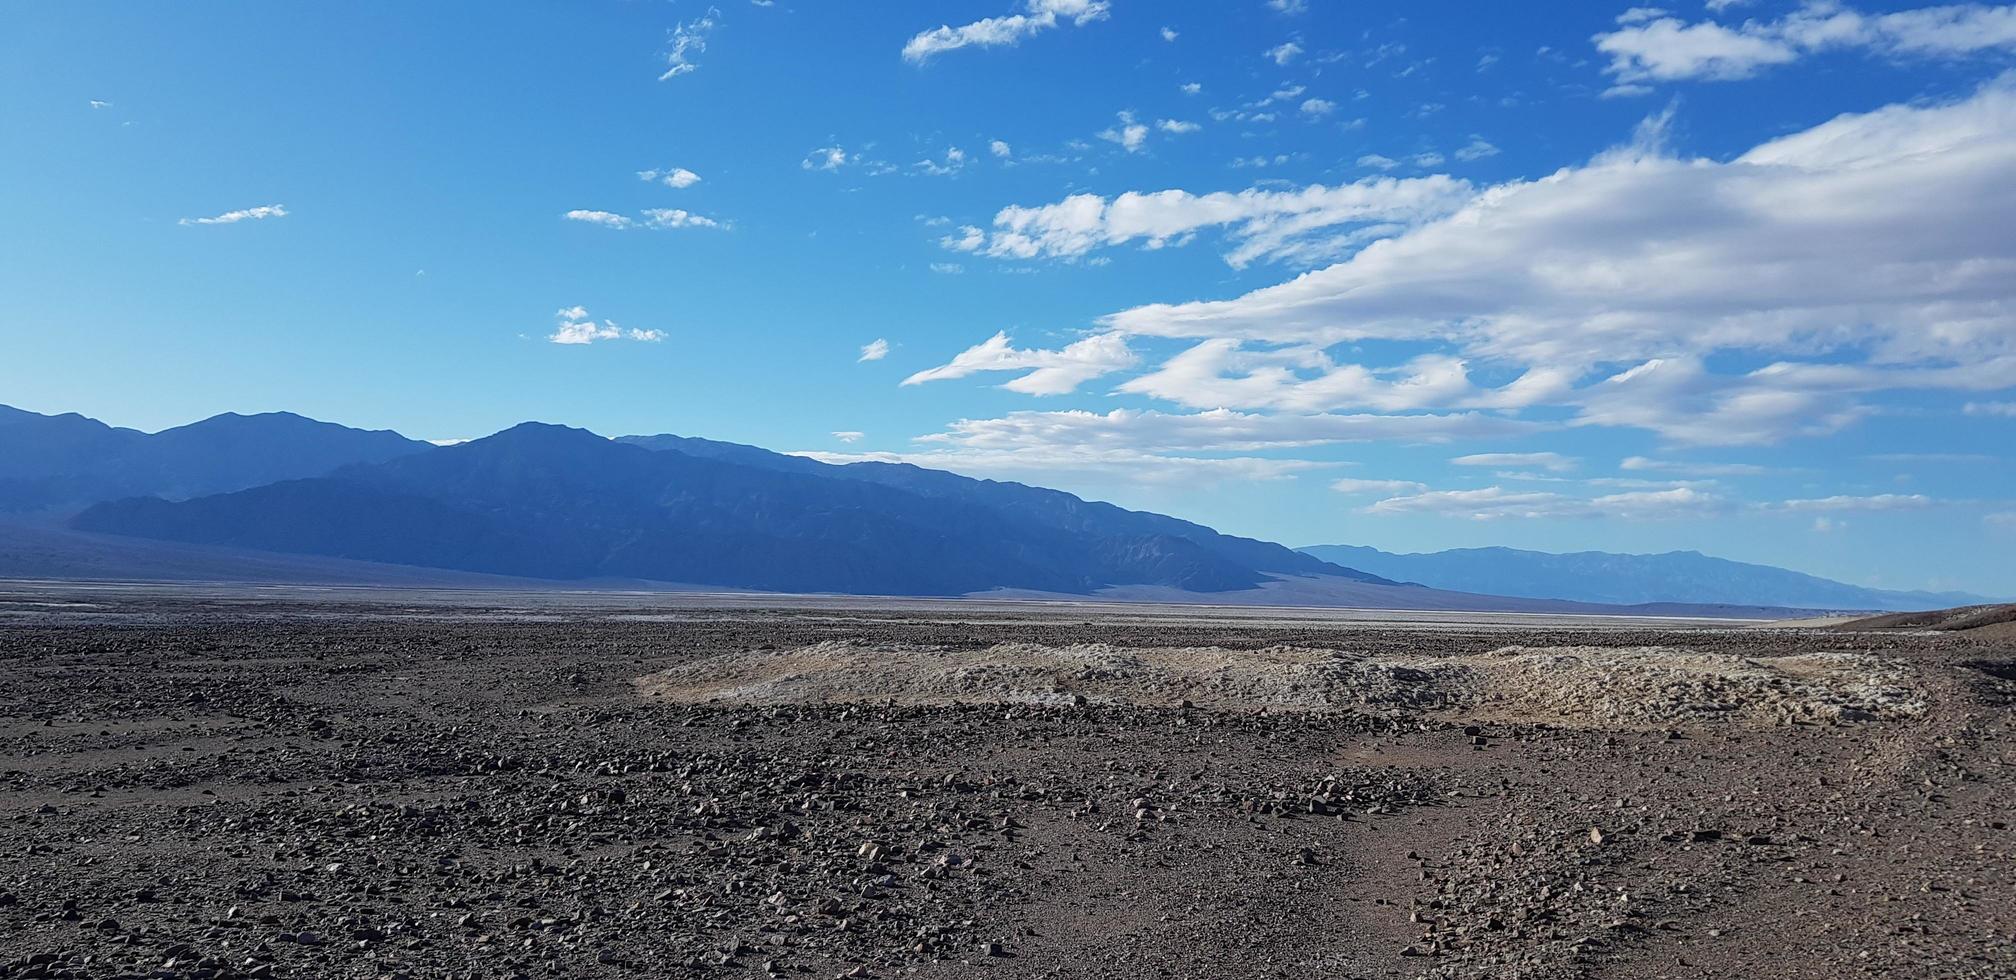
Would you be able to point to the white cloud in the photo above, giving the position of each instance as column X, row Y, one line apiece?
column 100, row 104
column 967, row 239
column 1168, row 34
column 1378, row 161
column 654, row 218
column 1289, row 6
column 1129, row 134
column 1155, row 447
column 874, row 350
column 1217, row 430
column 1497, row 503
column 1671, row 502
column 952, row 162
column 825, row 158
column 1644, row 464
column 1827, row 525
column 947, row 268
column 1653, row 46
column 849, row 436
column 2005, row 409
column 1869, row 253
column 2001, row 518
column 676, row 177
column 1881, row 501
column 1176, row 126
column 1051, row 372
column 1354, row 486
column 573, row 325
column 677, row 218
column 1313, row 222
column 1477, row 149
column 1038, row 16
column 1191, row 88
column 688, row 39
column 1546, row 461
column 1000, row 149
column 1283, row 53
column 607, row 219
column 233, row 217
column 1318, row 107
column 1051, row 465
column 1217, row 373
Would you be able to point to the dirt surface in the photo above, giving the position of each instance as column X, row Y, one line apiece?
column 1580, row 686
column 1987, row 622
column 218, row 786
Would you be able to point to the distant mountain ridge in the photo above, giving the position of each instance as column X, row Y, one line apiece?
column 1050, row 508
column 544, row 501
column 1598, row 576
column 548, row 503
column 50, row 462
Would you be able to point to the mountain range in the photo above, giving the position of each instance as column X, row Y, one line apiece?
column 544, row 501
column 1599, row 576
column 53, row 462
column 280, row 495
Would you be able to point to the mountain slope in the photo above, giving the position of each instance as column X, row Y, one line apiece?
column 59, row 461
column 550, row 502
column 1040, row 506
column 1597, row 576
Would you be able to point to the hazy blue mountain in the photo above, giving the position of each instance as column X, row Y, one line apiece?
column 546, row 501
column 58, row 461
column 1597, row 576
column 1043, row 507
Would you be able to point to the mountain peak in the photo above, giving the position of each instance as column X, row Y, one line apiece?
column 538, row 434
column 60, row 462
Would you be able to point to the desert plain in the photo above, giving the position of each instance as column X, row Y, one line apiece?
column 216, row 782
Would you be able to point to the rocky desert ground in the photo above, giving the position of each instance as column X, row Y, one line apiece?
column 214, row 784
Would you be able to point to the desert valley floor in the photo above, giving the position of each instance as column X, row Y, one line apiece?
column 209, row 783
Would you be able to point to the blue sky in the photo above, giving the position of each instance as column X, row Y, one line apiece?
column 1734, row 277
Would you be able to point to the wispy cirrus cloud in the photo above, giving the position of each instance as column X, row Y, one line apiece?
column 649, row 218
column 1360, row 487
column 688, row 39
column 1036, row 17
column 1147, row 447
column 1497, row 503
column 1667, row 503
column 1650, row 45
column 1122, row 465
column 1841, row 502
column 1216, row 430
column 1049, row 371
column 1690, row 468
column 1262, row 224
column 259, row 213
column 1542, row 460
